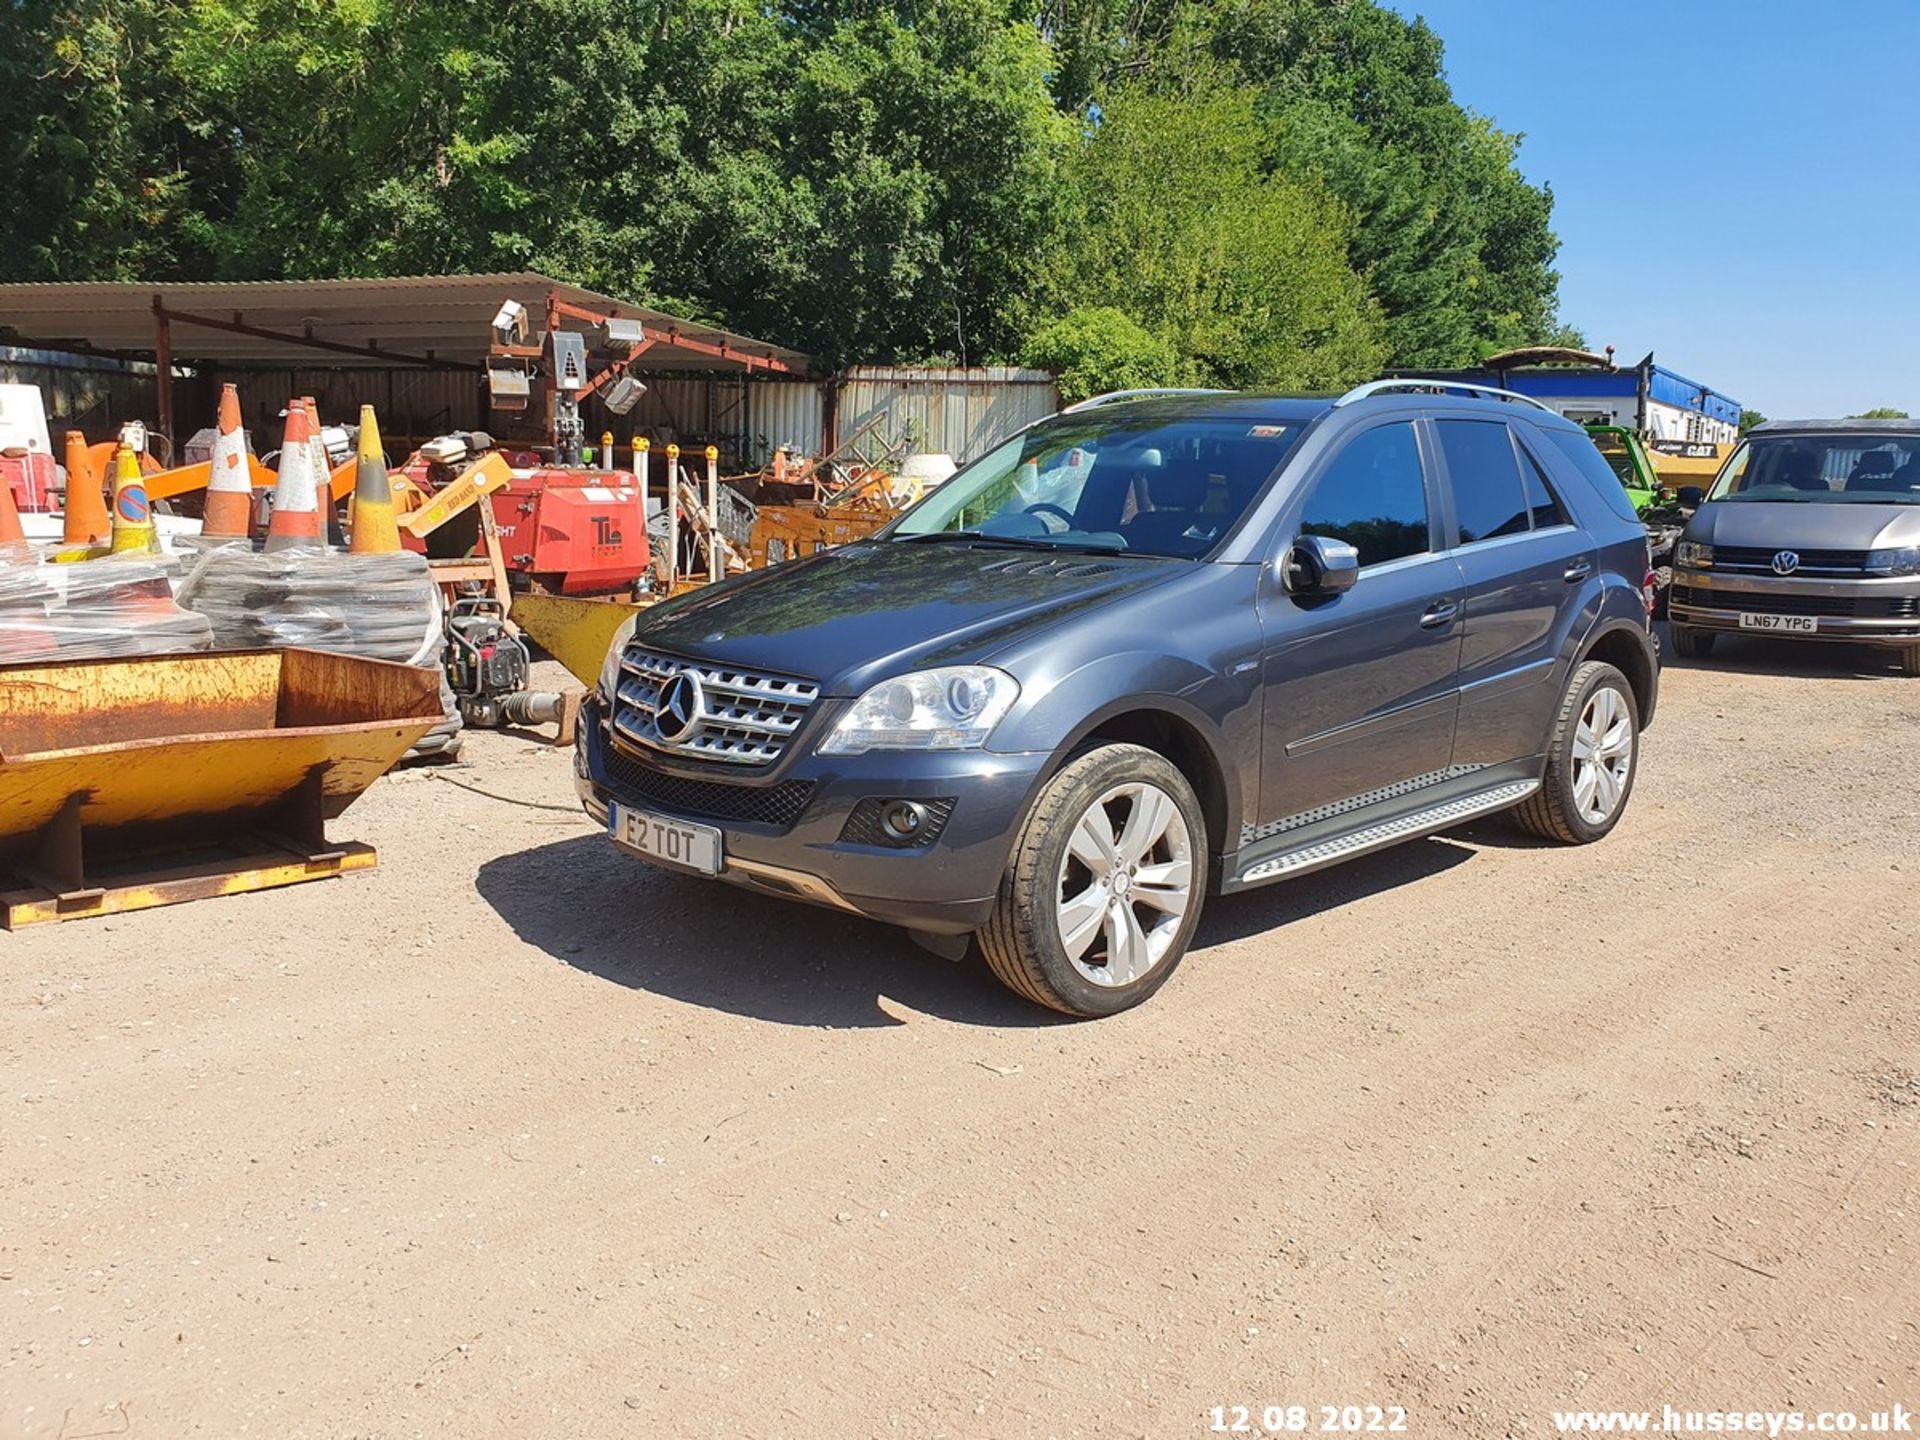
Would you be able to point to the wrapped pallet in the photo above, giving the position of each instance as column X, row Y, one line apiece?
column 383, row 607
column 111, row 607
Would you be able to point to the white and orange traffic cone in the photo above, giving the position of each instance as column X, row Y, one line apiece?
column 322, row 472
column 229, row 512
column 296, row 508
column 133, row 529
column 375, row 532
column 86, row 520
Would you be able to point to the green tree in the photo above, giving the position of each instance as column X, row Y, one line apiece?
column 1749, row 419
column 1242, row 275
column 1098, row 349
column 1881, row 412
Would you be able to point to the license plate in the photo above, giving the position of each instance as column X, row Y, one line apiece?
column 659, row 837
column 1794, row 624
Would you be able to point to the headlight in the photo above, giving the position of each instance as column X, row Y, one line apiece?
column 1904, row 561
column 952, row 708
column 1693, row 554
column 610, row 667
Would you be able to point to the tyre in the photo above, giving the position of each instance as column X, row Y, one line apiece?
column 1102, row 894
column 1592, row 759
column 1690, row 644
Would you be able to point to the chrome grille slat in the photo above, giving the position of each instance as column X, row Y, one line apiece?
column 748, row 716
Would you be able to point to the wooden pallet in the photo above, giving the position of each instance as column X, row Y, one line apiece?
column 140, row 882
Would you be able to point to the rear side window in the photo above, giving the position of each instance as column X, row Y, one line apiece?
column 1579, row 449
column 1542, row 503
column 1488, row 499
column 1373, row 495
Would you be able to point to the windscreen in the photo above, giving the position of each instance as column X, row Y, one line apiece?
column 1106, row 481
column 1868, row 469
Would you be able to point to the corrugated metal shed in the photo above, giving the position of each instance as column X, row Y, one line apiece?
column 785, row 412
column 429, row 320
column 958, row 412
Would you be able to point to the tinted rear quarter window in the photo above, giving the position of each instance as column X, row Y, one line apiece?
column 1488, row 498
column 1541, row 501
column 1593, row 467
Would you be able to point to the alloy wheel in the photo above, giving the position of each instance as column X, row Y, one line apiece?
column 1125, row 882
column 1602, row 755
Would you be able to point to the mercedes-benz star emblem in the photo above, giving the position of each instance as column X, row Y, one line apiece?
column 1785, row 562
column 682, row 707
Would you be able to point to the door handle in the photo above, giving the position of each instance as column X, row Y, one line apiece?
column 1439, row 613
column 1578, row 570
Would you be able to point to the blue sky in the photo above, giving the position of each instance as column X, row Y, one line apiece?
column 1736, row 185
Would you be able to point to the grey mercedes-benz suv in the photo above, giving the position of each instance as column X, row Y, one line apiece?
column 1811, row 532
column 1159, row 646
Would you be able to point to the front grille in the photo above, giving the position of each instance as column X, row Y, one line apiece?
column 777, row 805
column 1761, row 602
column 1759, row 560
column 738, row 717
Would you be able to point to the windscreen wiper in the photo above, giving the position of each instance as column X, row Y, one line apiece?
column 976, row 537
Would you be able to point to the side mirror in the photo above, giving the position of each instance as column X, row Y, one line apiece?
column 1691, row 497
column 1316, row 565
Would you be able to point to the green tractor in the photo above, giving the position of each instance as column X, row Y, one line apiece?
column 1658, row 507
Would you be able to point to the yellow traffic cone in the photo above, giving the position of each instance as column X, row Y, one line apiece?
column 229, row 512
column 296, row 508
column 86, row 519
column 374, row 529
column 133, row 529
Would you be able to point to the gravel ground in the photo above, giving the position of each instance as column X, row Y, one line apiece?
column 516, row 1137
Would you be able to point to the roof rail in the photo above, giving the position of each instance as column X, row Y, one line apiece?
column 1378, row 387
column 1114, row 397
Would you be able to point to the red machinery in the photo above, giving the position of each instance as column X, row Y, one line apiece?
column 562, row 529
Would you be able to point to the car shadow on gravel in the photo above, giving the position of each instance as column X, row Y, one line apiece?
column 708, row 943
column 1794, row 659
column 719, row 946
column 1269, row 908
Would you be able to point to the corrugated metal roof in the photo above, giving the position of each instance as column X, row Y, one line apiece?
column 442, row 318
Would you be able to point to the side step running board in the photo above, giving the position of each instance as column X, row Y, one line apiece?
column 1389, row 832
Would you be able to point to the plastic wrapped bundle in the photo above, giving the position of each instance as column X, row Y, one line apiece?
column 111, row 607
column 385, row 607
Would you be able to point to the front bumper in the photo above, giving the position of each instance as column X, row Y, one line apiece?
column 947, row 887
column 1876, row 610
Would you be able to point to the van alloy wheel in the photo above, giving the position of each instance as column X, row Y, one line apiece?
column 1125, row 882
column 1602, row 755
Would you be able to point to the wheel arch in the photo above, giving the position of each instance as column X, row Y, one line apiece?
column 1183, row 743
column 1629, row 649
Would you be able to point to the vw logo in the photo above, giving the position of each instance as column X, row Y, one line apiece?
column 683, row 705
column 1785, row 562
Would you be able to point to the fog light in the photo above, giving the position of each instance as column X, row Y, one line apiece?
column 904, row 819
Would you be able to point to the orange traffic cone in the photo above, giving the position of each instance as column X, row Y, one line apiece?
column 132, row 517
column 296, row 507
column 10, row 531
column 322, row 472
column 374, row 529
column 86, row 522
column 229, row 513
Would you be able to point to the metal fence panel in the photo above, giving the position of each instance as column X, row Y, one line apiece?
column 948, row 410
column 784, row 412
